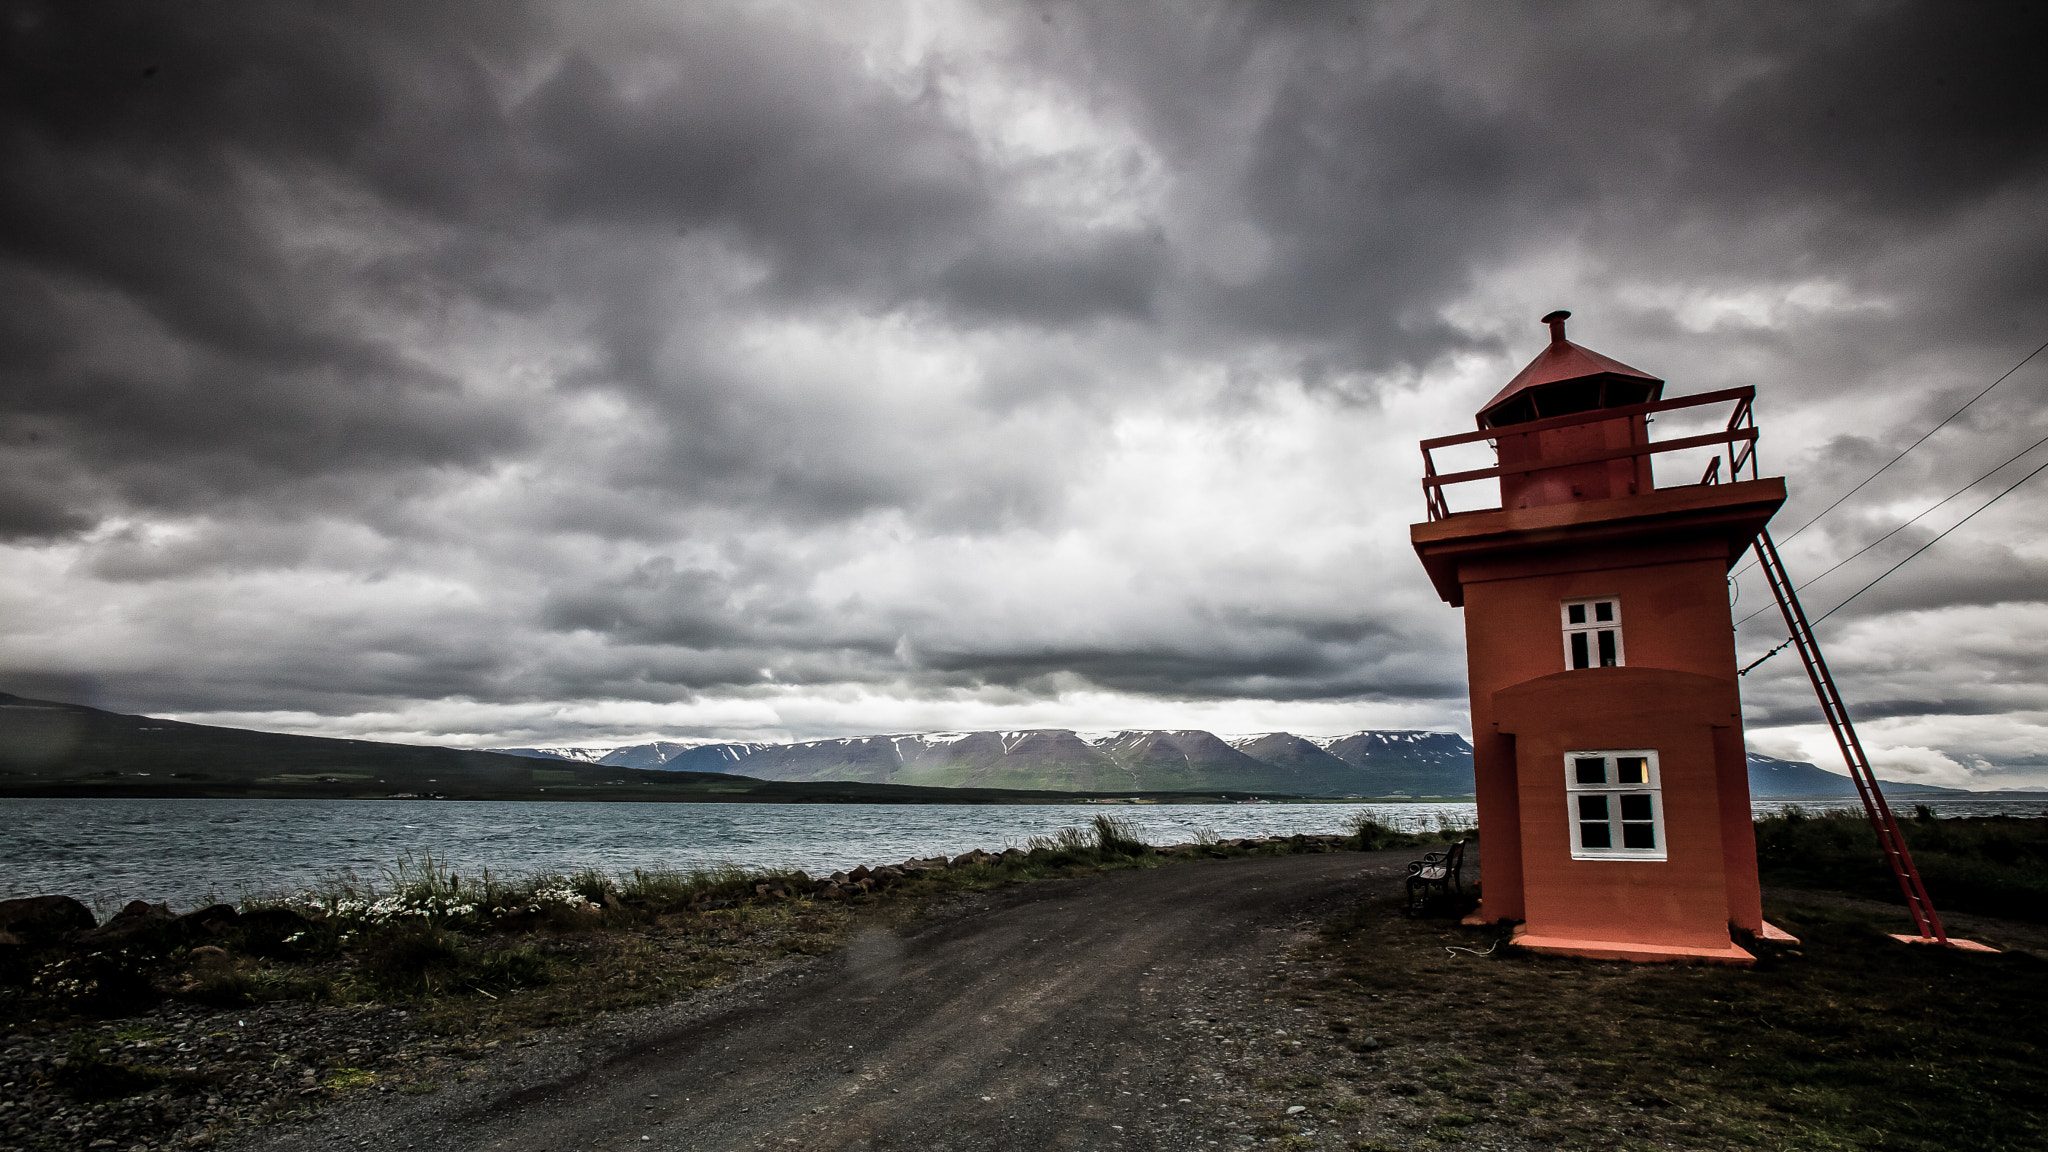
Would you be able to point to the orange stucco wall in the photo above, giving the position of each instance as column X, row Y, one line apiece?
column 1672, row 586
column 1680, row 901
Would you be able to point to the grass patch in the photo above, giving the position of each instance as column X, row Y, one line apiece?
column 1995, row 865
column 344, row 1079
column 1853, row 1041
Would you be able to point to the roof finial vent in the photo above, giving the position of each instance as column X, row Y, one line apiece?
column 1556, row 321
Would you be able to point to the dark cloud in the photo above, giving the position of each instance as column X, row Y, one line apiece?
column 354, row 358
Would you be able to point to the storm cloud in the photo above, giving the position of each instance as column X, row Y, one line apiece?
column 502, row 374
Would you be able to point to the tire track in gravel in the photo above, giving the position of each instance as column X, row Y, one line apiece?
column 1056, row 1015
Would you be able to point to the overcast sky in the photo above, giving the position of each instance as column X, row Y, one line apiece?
column 587, row 374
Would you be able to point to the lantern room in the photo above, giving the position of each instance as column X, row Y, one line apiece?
column 1610, row 770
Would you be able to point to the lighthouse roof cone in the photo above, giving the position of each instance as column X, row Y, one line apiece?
column 1565, row 378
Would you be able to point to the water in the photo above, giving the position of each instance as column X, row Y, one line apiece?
column 108, row 852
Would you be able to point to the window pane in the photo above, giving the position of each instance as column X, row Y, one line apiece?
column 1592, row 807
column 1576, row 613
column 1635, row 808
column 1579, row 657
column 1607, row 649
column 1594, row 836
column 1638, row 835
column 1632, row 770
column 1592, row 770
column 1603, row 611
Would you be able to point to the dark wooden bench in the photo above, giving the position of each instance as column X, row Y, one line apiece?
column 1438, row 872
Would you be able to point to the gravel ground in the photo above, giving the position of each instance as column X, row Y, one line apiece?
column 1138, row 1010
column 1176, row 1007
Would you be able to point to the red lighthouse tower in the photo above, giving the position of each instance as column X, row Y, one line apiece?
column 1607, row 740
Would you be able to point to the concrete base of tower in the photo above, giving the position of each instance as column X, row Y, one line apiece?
column 1632, row 951
column 1961, row 945
column 1776, row 935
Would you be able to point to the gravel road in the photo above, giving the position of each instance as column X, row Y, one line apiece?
column 1131, row 1010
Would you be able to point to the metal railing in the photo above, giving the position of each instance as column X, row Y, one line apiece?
column 1739, row 436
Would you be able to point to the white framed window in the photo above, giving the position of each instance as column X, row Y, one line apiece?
column 1616, row 804
column 1592, row 632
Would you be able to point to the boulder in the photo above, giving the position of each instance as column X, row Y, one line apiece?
column 40, row 921
column 139, row 924
column 206, row 923
column 860, row 873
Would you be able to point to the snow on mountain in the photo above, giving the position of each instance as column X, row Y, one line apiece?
column 580, row 755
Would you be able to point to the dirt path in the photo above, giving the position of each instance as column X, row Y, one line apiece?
column 1123, row 1011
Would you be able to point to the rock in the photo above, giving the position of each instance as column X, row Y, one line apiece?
column 206, row 923
column 1296, row 1109
column 1014, row 853
column 40, row 921
column 139, row 925
column 859, row 874
column 207, row 953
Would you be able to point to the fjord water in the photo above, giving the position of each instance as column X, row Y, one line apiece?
column 107, row 852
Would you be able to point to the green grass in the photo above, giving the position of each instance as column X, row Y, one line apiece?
column 1994, row 865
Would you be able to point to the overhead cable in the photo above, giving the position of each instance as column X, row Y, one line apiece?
column 1933, row 542
column 1908, row 524
column 1915, row 444
column 1902, row 563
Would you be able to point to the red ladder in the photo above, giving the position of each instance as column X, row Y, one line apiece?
column 1888, row 836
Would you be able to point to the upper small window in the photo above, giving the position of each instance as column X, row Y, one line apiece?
column 1592, row 633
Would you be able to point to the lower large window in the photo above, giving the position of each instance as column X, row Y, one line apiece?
column 1617, row 805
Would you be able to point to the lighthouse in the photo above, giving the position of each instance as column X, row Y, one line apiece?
column 1610, row 770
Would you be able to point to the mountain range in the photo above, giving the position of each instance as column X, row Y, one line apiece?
column 53, row 749
column 1369, row 763
column 1404, row 764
